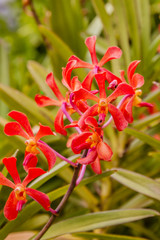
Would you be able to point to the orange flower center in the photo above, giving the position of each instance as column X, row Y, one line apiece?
column 20, row 192
column 31, row 146
column 103, row 106
column 94, row 139
column 137, row 100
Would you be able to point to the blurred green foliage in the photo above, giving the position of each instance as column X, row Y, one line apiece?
column 29, row 51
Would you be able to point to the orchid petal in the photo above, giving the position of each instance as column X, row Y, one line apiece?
column 111, row 53
column 14, row 128
column 122, row 89
column 110, row 76
column 43, row 131
column 127, row 109
column 10, row 164
column 6, row 182
column 122, row 73
column 58, row 123
column 87, row 82
column 131, row 69
column 79, row 142
column 22, row 119
column 90, row 158
column 145, row 104
column 100, row 78
column 104, row 151
column 80, row 63
column 10, row 207
column 52, row 84
column 90, row 43
column 92, row 111
column 66, row 73
column 30, row 161
column 32, row 174
column 71, row 137
column 96, row 166
column 91, row 121
column 48, row 152
column 137, row 81
column 43, row 101
column 20, row 204
column 83, row 94
column 39, row 197
column 118, row 117
column 75, row 83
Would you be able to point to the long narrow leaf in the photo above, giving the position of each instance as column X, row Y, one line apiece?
column 143, row 137
column 97, row 220
column 87, row 235
column 138, row 183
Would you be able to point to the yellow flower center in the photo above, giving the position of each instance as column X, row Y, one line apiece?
column 31, row 146
column 94, row 139
column 137, row 100
column 20, row 192
column 103, row 106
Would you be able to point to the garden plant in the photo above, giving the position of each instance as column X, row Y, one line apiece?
column 80, row 120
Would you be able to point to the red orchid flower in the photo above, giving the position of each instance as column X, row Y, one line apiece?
column 61, row 102
column 23, row 128
column 93, row 141
column 17, row 197
column 104, row 103
column 96, row 67
column 136, row 81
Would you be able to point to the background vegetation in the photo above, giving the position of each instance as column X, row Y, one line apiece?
column 31, row 47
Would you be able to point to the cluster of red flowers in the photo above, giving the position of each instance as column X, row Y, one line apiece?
column 89, row 125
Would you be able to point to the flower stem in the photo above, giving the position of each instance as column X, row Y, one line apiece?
column 64, row 199
column 61, row 204
column 60, row 156
column 68, row 116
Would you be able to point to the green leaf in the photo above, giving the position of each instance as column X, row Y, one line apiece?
column 123, row 29
column 17, row 100
column 61, row 47
column 108, row 27
column 39, row 73
column 32, row 208
column 143, row 137
column 34, row 223
column 133, row 27
column 87, row 235
column 152, row 95
column 138, row 183
column 96, row 220
column 145, row 122
column 4, row 72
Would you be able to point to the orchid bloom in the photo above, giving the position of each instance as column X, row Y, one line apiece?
column 96, row 67
column 136, row 81
column 93, row 141
column 17, row 197
column 104, row 103
column 23, row 128
column 62, row 102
